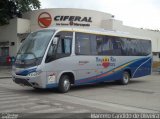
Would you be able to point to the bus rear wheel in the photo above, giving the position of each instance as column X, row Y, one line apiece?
column 125, row 78
column 64, row 84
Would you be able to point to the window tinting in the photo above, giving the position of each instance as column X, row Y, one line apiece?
column 99, row 40
column 107, row 45
column 118, row 46
column 89, row 44
column 83, row 44
column 62, row 49
column 64, row 44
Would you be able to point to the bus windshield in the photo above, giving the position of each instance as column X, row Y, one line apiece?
column 34, row 47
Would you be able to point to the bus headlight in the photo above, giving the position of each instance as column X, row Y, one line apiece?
column 34, row 74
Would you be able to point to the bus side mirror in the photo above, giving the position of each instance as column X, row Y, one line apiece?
column 159, row 55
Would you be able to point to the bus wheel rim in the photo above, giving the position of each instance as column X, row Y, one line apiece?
column 66, row 84
column 125, row 78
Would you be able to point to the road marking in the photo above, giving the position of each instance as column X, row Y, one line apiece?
column 81, row 111
column 70, row 107
column 18, row 101
column 8, row 94
column 13, row 98
column 28, row 104
column 9, row 86
column 15, row 110
column 51, row 110
column 37, row 108
column 3, row 93
column 57, row 104
column 101, row 105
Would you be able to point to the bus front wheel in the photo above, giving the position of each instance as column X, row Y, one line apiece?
column 125, row 78
column 64, row 84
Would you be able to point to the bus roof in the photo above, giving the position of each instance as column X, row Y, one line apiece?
column 99, row 31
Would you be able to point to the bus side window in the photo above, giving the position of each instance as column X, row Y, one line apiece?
column 117, row 46
column 64, row 46
column 83, row 44
column 86, row 44
column 99, row 40
column 104, row 45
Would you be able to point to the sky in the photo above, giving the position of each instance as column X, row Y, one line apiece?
column 135, row 13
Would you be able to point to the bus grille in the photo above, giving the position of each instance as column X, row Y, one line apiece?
column 22, row 81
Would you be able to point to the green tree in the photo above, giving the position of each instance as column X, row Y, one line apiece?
column 15, row 8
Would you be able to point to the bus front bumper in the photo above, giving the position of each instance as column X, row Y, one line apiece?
column 28, row 81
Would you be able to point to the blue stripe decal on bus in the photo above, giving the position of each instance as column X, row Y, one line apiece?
column 26, row 72
column 116, row 73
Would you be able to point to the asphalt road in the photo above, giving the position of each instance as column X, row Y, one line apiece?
column 142, row 95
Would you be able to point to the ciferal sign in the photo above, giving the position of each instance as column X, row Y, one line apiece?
column 45, row 20
column 72, row 20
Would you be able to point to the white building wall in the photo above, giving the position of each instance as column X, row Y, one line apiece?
column 111, row 24
column 23, row 26
column 9, row 33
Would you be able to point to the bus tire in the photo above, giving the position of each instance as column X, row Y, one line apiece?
column 64, row 84
column 125, row 78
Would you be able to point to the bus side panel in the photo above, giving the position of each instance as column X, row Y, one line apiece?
column 90, row 69
column 141, row 68
column 81, row 66
column 108, row 78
